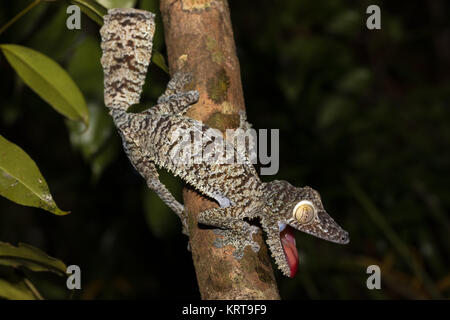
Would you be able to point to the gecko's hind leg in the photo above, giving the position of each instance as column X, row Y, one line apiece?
column 177, row 103
column 150, row 173
column 166, row 196
column 176, row 100
column 175, row 85
column 236, row 232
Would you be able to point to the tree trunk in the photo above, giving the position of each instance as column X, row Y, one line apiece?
column 199, row 39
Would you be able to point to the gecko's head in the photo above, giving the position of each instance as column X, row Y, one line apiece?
column 293, row 208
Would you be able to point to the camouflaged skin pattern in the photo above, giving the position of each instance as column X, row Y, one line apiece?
column 127, row 47
column 149, row 143
column 280, row 200
column 127, row 36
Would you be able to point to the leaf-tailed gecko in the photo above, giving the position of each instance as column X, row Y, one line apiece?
column 281, row 208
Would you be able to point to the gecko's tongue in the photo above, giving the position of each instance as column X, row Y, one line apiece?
column 290, row 250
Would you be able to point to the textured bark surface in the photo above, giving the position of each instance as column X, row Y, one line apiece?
column 199, row 40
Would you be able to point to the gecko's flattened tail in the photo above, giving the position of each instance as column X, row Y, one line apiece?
column 127, row 36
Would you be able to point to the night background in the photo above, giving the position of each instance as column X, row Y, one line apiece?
column 363, row 118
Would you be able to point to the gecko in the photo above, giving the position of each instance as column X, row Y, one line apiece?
column 235, row 185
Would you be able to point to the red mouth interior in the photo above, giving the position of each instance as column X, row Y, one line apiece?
column 290, row 250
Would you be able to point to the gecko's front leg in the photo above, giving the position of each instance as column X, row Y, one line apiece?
column 234, row 231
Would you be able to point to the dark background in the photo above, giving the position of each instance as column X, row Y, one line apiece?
column 363, row 118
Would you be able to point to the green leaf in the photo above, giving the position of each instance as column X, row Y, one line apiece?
column 31, row 258
column 51, row 82
column 21, row 181
column 158, row 59
column 117, row 3
column 15, row 290
column 92, row 9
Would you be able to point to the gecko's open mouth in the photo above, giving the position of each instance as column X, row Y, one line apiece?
column 290, row 250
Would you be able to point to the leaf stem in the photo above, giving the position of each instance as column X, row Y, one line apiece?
column 33, row 289
column 20, row 14
column 92, row 9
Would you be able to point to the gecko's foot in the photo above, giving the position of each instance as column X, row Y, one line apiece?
column 243, row 123
column 185, row 98
column 176, row 85
column 238, row 239
column 185, row 230
column 184, row 223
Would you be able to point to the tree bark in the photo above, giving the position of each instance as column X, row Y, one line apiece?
column 199, row 39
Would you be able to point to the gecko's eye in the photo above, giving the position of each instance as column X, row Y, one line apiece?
column 304, row 211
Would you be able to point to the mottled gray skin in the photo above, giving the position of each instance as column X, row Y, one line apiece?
column 126, row 43
column 127, row 37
